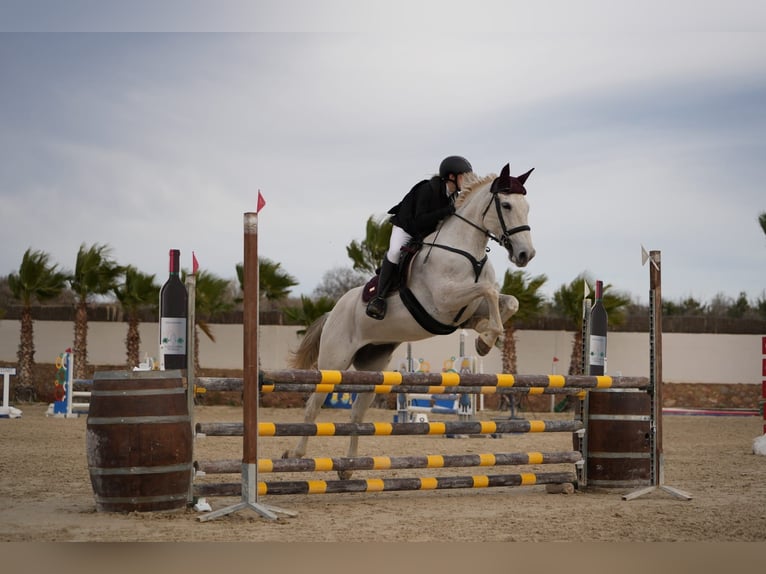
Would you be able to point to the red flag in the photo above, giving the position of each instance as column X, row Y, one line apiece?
column 555, row 359
column 261, row 202
column 195, row 265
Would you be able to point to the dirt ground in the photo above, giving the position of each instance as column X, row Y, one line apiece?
column 47, row 495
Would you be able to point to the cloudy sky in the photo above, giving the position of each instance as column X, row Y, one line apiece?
column 645, row 123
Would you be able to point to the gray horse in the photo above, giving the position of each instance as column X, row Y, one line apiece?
column 451, row 279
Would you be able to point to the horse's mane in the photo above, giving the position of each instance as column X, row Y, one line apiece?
column 472, row 182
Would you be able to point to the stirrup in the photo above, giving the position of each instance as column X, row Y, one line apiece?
column 377, row 308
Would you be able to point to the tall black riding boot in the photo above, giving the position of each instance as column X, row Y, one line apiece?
column 377, row 307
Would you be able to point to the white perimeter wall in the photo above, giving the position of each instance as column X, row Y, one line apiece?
column 687, row 358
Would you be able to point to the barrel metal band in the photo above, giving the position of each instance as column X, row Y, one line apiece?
column 139, row 392
column 138, row 420
column 137, row 499
column 140, row 469
column 619, row 483
column 637, row 418
column 619, row 455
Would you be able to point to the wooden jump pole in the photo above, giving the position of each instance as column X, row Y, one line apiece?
column 394, row 381
column 451, row 379
column 390, row 462
column 388, row 484
column 409, row 389
column 249, row 483
column 389, row 429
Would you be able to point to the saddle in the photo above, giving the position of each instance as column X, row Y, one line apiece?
column 399, row 285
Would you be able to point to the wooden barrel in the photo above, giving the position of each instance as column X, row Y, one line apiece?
column 139, row 441
column 618, row 438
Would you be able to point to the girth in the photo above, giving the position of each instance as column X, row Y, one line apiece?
column 411, row 302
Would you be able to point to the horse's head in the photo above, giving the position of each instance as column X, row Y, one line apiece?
column 510, row 226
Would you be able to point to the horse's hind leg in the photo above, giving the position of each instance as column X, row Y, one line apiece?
column 368, row 358
column 313, row 404
column 358, row 409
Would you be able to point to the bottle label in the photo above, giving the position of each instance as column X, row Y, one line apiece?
column 597, row 349
column 173, row 335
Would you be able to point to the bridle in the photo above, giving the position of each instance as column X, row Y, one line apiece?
column 505, row 238
column 500, row 185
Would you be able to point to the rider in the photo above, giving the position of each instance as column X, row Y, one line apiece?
column 417, row 215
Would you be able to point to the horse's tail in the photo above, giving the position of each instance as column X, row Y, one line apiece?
column 308, row 351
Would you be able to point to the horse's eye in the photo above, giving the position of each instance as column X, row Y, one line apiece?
column 506, row 205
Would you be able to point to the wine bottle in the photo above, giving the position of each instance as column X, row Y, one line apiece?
column 173, row 314
column 597, row 338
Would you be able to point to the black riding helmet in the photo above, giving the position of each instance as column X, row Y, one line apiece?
column 454, row 164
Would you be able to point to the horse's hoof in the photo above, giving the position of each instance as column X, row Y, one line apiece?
column 344, row 474
column 286, row 454
column 482, row 348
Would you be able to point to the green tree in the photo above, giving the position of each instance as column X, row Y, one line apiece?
column 739, row 307
column 137, row 291
column 212, row 297
column 568, row 303
column 37, row 280
column 760, row 305
column 527, row 290
column 762, row 221
column 368, row 254
column 95, row 273
column 273, row 282
column 309, row 311
column 691, row 307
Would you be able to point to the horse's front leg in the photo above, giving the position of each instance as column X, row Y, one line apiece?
column 489, row 330
column 493, row 329
column 480, row 320
column 509, row 306
column 314, row 403
column 358, row 410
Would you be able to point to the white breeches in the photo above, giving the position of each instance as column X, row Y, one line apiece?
column 399, row 238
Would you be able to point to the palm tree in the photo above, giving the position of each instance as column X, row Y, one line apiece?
column 568, row 302
column 95, row 273
column 38, row 280
column 527, row 290
column 309, row 311
column 368, row 253
column 212, row 297
column 136, row 292
column 762, row 221
column 273, row 283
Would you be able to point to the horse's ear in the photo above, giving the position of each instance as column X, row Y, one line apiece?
column 523, row 178
column 502, row 183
